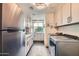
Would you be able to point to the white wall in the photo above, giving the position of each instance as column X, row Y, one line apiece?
column 49, row 29
column 72, row 29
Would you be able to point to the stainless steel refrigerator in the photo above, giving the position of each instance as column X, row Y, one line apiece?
column 11, row 40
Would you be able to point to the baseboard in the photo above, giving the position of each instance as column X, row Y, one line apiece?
column 38, row 42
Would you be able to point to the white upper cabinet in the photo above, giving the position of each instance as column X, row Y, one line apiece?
column 58, row 16
column 62, row 13
column 50, row 19
column 65, row 13
column 75, row 12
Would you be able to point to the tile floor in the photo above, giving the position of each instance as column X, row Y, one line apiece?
column 39, row 49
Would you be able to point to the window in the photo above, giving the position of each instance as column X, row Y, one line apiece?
column 38, row 27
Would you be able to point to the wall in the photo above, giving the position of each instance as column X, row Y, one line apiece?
column 38, row 36
column 49, row 22
column 38, row 16
column 72, row 29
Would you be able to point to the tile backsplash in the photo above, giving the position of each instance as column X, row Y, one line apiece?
column 71, row 29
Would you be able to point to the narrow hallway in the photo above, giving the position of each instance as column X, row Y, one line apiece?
column 38, row 49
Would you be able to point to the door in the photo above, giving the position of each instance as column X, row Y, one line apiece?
column 75, row 12
column 66, row 13
column 38, row 31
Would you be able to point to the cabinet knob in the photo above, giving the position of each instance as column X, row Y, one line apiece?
column 69, row 19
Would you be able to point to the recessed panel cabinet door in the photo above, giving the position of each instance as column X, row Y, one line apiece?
column 58, row 16
column 75, row 12
column 65, row 13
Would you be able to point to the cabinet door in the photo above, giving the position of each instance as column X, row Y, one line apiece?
column 28, row 43
column 58, row 16
column 65, row 13
column 75, row 12
column 50, row 19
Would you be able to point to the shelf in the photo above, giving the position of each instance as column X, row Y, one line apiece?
column 67, row 24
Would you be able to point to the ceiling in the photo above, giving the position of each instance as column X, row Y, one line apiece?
column 28, row 8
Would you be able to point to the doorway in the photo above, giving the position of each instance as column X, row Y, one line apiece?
column 38, row 27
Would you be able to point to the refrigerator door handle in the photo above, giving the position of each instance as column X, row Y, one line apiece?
column 14, row 30
column 3, row 29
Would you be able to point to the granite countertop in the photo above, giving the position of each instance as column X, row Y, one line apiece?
column 63, row 38
column 28, row 36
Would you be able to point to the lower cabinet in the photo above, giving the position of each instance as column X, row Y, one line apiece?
column 52, row 50
column 63, row 47
column 28, row 43
column 51, row 47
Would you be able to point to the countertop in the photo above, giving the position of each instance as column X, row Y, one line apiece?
column 28, row 35
column 62, row 38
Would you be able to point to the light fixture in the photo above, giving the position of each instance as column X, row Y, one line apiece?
column 40, row 5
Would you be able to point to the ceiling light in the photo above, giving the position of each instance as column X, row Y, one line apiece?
column 40, row 5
